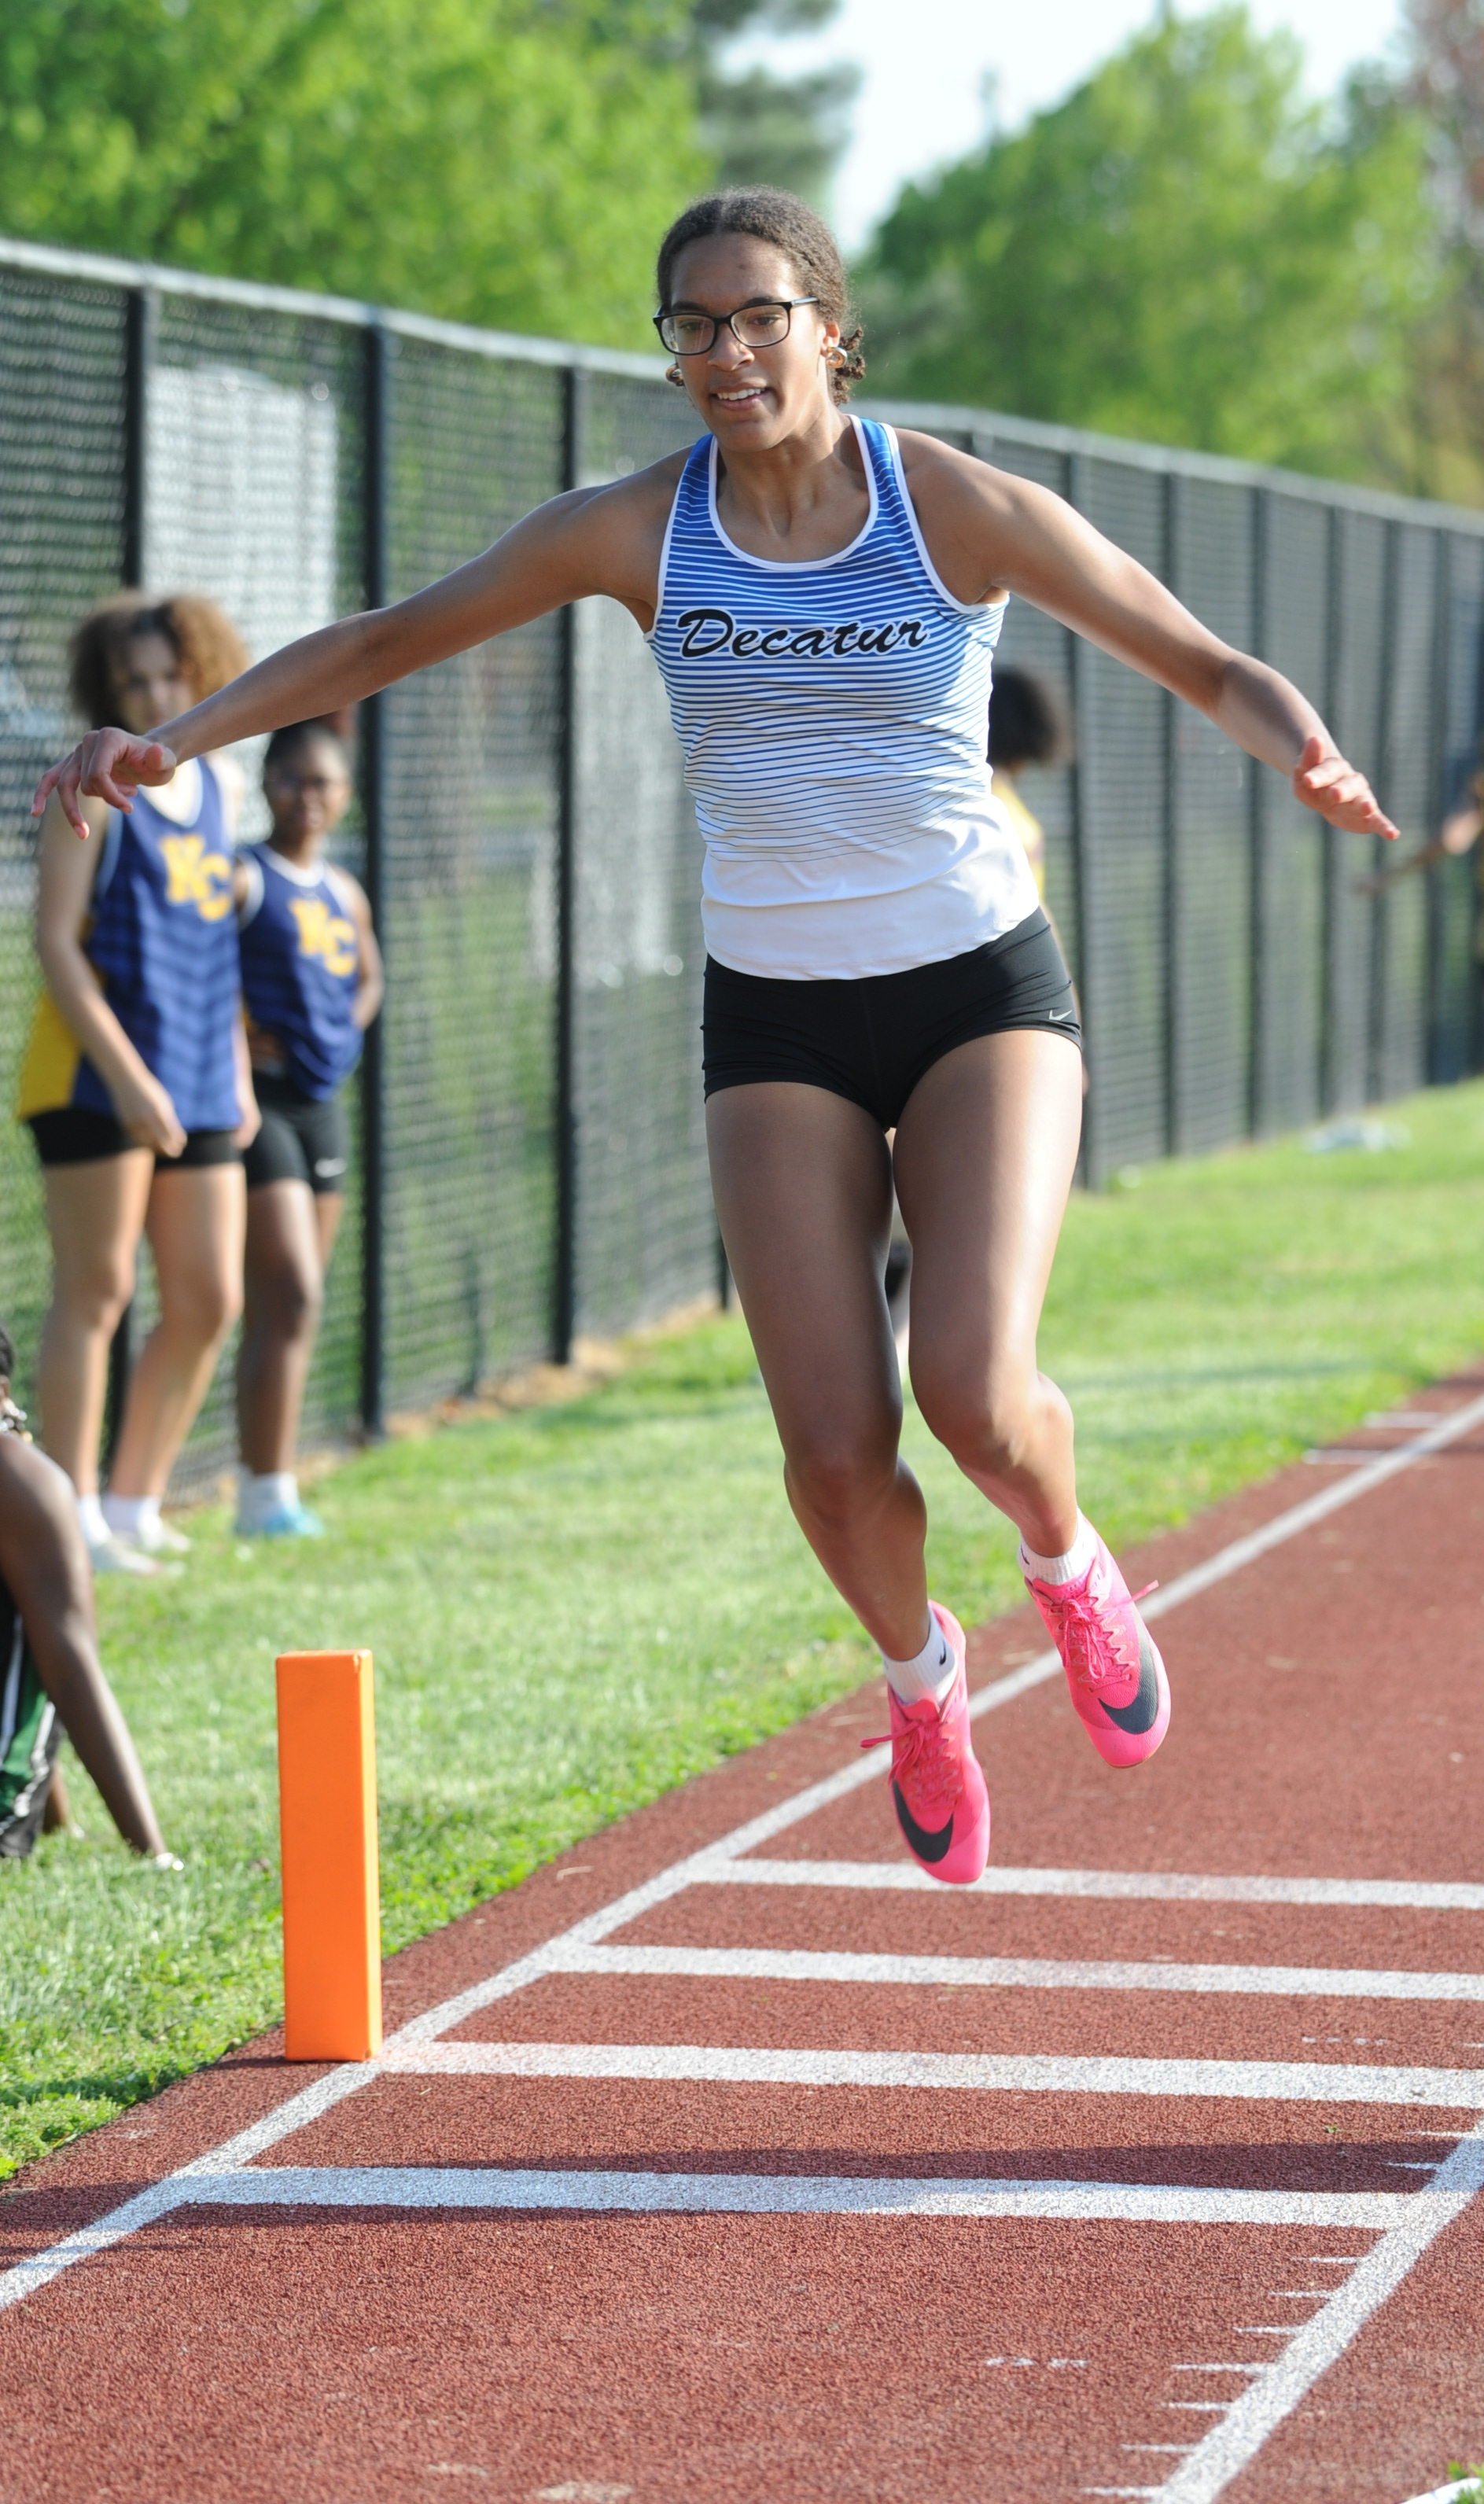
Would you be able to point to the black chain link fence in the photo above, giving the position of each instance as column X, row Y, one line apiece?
column 531, row 1159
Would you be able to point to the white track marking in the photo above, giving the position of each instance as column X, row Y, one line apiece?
column 28, row 2276
column 1017, row 1973
column 1318, row 2082
column 1447, row 2494
column 436, row 2187
column 904, row 1877
column 1321, row 2340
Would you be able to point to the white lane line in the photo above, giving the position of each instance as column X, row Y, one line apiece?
column 436, row 2187
column 1447, row 2494
column 1103, row 1884
column 1316, row 2082
column 27, row 2276
column 1017, row 1973
column 1318, row 2343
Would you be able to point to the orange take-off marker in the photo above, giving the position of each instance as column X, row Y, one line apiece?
column 326, row 1794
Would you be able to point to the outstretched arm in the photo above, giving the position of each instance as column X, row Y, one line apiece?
column 44, row 1565
column 594, row 539
column 998, row 532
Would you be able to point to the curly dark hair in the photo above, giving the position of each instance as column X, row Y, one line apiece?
column 1027, row 722
column 778, row 218
column 205, row 642
column 299, row 734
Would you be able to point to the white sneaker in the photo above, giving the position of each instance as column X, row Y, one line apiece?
column 114, row 1555
column 156, row 1538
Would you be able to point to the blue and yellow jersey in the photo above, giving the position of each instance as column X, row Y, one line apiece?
column 300, row 969
column 161, row 938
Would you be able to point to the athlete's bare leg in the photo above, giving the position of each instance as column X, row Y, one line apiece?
column 194, row 1224
column 803, row 1185
column 95, row 1214
column 291, row 1233
column 985, row 1157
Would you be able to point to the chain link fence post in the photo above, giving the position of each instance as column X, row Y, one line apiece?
column 378, row 389
column 568, row 1147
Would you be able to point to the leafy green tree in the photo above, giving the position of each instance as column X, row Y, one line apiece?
column 1184, row 250
column 760, row 127
column 502, row 161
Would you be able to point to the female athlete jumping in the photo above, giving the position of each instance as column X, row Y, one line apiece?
column 822, row 597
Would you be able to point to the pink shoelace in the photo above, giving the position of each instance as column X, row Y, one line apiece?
column 1089, row 1630
column 926, row 1763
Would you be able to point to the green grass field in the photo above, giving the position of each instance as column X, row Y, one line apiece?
column 573, row 1608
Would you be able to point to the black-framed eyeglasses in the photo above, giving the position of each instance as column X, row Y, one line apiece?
column 752, row 326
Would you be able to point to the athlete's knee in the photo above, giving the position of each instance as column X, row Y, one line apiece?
column 201, row 1304
column 94, row 1288
column 288, row 1301
column 832, row 1478
column 986, row 1419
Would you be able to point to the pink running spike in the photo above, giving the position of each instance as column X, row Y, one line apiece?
column 937, row 1784
column 1113, row 1666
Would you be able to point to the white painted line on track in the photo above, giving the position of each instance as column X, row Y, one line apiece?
column 1324, row 2338
column 1338, row 2083
column 437, row 2186
column 1102, row 1885
column 1018, row 1973
column 1447, row 2494
column 1316, row 2082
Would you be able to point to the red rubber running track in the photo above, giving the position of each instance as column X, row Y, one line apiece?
column 732, row 2159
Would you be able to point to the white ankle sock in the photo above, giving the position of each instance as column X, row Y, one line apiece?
column 929, row 1672
column 91, row 1519
column 1069, row 1568
column 126, row 1516
column 276, row 1491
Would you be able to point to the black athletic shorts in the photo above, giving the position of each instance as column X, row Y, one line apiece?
column 75, row 1135
column 872, row 1039
column 303, row 1139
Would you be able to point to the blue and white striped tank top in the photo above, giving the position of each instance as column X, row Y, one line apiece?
column 833, row 716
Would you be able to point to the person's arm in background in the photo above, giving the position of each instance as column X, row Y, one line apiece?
column 43, row 1562
column 371, row 990
column 247, row 1106
column 65, row 894
column 1460, row 833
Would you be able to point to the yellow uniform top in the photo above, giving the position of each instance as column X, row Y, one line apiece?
column 1026, row 827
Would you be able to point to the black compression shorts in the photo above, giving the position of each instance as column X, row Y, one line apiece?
column 302, row 1138
column 74, row 1134
column 872, row 1039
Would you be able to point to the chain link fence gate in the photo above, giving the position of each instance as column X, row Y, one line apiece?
column 531, row 1159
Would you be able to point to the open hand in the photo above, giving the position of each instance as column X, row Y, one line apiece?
column 106, row 765
column 1325, row 782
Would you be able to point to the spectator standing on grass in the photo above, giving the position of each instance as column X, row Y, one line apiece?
column 311, row 984
column 51, row 1677
column 823, row 600
column 136, row 1083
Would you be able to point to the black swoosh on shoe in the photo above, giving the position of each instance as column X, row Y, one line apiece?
column 1142, row 1714
column 934, row 1847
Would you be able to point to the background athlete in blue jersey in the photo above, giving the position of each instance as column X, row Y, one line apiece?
column 311, row 984
column 135, row 1083
column 915, row 969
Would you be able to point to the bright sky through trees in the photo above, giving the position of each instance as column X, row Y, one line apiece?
column 925, row 61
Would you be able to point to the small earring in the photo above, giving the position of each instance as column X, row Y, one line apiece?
column 835, row 357
column 672, row 374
